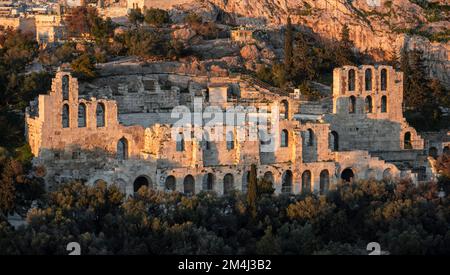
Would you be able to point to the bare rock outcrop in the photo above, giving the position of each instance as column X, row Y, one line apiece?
column 379, row 30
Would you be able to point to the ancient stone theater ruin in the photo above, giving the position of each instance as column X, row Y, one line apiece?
column 118, row 128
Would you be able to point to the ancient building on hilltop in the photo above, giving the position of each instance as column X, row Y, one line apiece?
column 120, row 128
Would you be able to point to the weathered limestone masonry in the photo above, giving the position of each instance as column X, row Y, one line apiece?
column 368, row 115
column 118, row 128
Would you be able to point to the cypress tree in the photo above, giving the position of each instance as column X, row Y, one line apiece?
column 252, row 191
column 344, row 53
column 288, row 47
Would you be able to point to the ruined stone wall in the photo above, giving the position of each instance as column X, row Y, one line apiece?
column 68, row 150
column 58, row 145
column 381, row 128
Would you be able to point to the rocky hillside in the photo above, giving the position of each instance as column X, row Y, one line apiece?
column 380, row 28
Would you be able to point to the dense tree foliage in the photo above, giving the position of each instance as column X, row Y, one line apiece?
column 402, row 217
column 156, row 17
column 84, row 67
column 308, row 58
column 85, row 21
column 135, row 16
column 288, row 47
column 424, row 97
column 17, row 50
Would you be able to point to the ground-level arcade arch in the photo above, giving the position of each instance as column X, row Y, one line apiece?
column 348, row 175
column 142, row 181
column 189, row 185
column 170, row 184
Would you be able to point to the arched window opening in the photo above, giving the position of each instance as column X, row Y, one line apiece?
column 81, row 115
column 310, row 137
column 284, row 109
column 228, row 184
column 141, row 181
column 383, row 79
column 65, row 87
column 206, row 141
column 384, row 104
column 209, row 182
column 100, row 114
column 65, row 116
column 180, row 142
column 368, row 80
column 189, row 185
column 407, row 145
column 351, row 80
column 170, row 184
column 324, row 182
column 352, row 105
column 348, row 175
column 122, row 149
column 286, row 185
column 368, row 105
column 230, row 141
column 306, row 182
column 334, row 141
column 284, row 138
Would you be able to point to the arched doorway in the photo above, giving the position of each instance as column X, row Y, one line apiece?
column 348, row 175
column 189, row 185
column 170, row 184
column 208, row 182
column 324, row 182
column 286, row 185
column 141, row 181
column 228, row 184
column 306, row 182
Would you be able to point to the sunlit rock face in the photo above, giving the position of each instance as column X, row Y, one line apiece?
column 377, row 27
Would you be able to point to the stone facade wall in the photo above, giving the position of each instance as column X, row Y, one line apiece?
column 153, row 155
column 375, row 130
